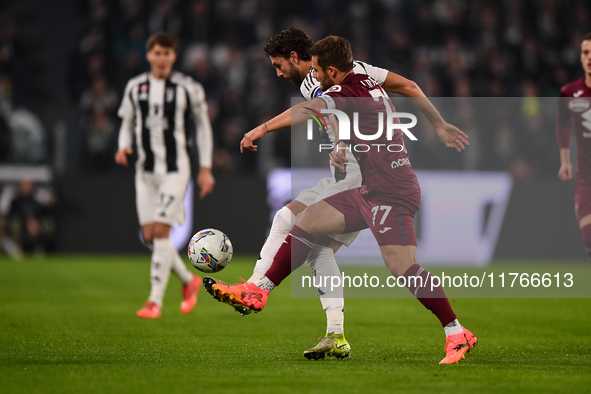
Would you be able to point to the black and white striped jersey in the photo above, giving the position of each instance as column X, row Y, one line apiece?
column 310, row 87
column 156, row 109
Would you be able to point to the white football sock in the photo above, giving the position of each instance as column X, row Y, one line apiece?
column 335, row 322
column 324, row 267
column 162, row 258
column 265, row 284
column 281, row 226
column 453, row 328
column 180, row 269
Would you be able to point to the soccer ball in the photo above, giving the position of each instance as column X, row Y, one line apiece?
column 210, row 250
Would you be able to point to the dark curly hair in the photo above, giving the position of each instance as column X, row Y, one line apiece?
column 292, row 39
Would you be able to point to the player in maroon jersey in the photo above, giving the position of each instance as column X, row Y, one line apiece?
column 386, row 203
column 574, row 109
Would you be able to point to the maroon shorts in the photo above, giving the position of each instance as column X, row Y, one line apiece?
column 582, row 201
column 390, row 217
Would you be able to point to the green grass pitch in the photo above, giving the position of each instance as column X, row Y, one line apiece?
column 68, row 325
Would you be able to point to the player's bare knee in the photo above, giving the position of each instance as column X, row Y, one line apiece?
column 148, row 234
column 306, row 219
column 296, row 207
column 399, row 258
column 161, row 230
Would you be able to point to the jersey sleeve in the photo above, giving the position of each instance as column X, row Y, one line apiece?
column 310, row 87
column 126, row 110
column 377, row 73
column 198, row 107
column 334, row 98
column 127, row 114
column 563, row 122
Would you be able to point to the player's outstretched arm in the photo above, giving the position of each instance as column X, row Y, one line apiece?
column 125, row 141
column 294, row 115
column 565, row 173
column 449, row 135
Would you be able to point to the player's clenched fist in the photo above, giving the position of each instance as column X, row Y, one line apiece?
column 565, row 173
column 121, row 156
column 205, row 181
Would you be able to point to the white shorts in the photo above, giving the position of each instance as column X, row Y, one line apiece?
column 159, row 198
column 328, row 187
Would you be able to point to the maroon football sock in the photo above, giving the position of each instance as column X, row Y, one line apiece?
column 586, row 233
column 291, row 255
column 435, row 300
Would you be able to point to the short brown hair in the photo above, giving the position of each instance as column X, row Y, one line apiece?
column 292, row 39
column 333, row 51
column 163, row 39
column 586, row 37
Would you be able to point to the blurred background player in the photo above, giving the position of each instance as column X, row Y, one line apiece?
column 574, row 108
column 154, row 107
column 289, row 54
column 31, row 222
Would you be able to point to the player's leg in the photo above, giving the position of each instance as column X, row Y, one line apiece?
column 401, row 261
column 323, row 264
column 583, row 213
column 319, row 218
column 146, row 190
column 391, row 222
column 171, row 211
column 280, row 227
column 162, row 257
column 282, row 224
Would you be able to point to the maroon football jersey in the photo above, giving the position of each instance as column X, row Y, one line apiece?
column 386, row 170
column 574, row 109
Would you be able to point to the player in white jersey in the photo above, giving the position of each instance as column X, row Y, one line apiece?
column 289, row 54
column 153, row 108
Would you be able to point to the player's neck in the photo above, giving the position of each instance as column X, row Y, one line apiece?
column 340, row 79
column 588, row 80
column 305, row 68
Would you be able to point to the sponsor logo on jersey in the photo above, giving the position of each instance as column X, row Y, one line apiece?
column 578, row 105
column 400, row 162
column 153, row 122
column 386, row 121
column 335, row 88
column 578, row 94
column 143, row 92
column 169, row 95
